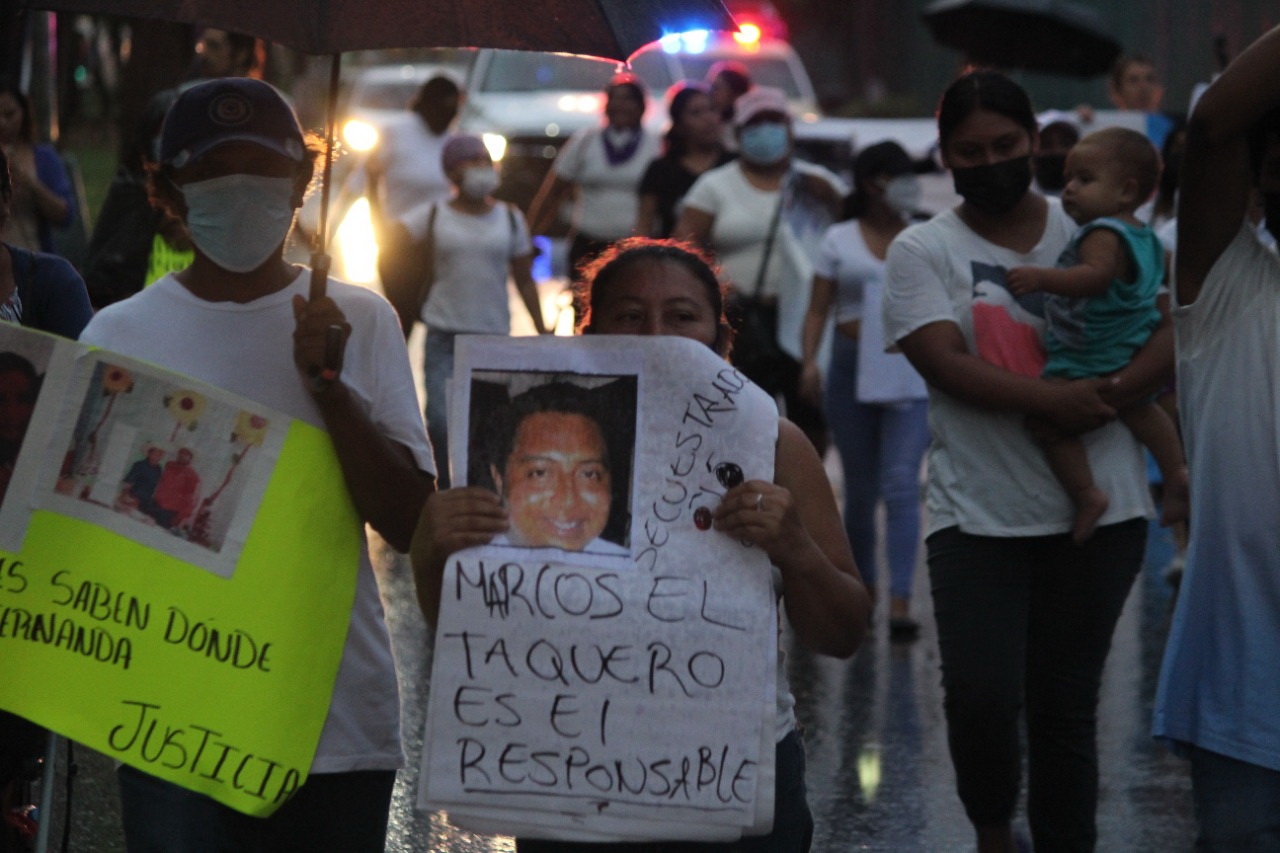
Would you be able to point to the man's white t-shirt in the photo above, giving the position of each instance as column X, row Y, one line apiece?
column 986, row 474
column 1219, row 685
column 471, row 258
column 247, row 348
column 412, row 173
column 608, row 196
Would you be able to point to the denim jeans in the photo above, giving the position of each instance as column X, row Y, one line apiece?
column 339, row 812
column 792, row 820
column 1029, row 620
column 437, row 370
column 1237, row 804
column 881, row 445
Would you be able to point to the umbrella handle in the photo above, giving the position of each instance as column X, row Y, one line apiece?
column 320, row 261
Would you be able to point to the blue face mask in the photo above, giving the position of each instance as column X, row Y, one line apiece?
column 765, row 143
column 238, row 221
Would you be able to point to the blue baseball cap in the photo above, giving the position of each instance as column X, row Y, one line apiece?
column 229, row 109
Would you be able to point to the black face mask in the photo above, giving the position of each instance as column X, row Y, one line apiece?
column 1050, row 170
column 1271, row 206
column 994, row 188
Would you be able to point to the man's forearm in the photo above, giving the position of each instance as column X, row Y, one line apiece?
column 385, row 482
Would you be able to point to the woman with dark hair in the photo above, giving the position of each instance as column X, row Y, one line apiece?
column 600, row 166
column 38, row 290
column 661, row 287
column 762, row 214
column 729, row 80
column 1025, row 616
column 692, row 146
column 875, row 403
column 404, row 170
column 41, row 197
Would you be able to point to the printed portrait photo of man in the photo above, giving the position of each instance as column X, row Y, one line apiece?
column 560, row 462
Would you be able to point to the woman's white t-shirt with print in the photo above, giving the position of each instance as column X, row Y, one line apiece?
column 986, row 474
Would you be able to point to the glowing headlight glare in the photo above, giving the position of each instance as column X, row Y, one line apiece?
column 357, row 246
column 670, row 43
column 360, row 135
column 497, row 145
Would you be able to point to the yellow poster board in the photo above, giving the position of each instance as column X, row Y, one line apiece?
column 198, row 644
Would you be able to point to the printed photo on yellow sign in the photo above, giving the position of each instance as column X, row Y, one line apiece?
column 166, row 595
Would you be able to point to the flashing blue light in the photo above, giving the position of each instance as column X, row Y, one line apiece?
column 695, row 41
column 690, row 41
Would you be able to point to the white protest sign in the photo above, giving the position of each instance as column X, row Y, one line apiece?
column 607, row 668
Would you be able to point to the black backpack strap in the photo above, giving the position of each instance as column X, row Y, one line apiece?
column 429, row 260
column 515, row 228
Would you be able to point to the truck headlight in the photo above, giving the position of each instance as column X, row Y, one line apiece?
column 497, row 145
column 359, row 135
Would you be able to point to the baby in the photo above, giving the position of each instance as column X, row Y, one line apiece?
column 1101, row 308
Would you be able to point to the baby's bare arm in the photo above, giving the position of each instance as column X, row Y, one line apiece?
column 1102, row 259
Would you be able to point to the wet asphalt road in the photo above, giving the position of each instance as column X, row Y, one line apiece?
column 879, row 775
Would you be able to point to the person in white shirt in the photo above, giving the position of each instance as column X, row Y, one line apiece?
column 761, row 215
column 874, row 402
column 1025, row 616
column 234, row 166
column 1218, row 698
column 600, row 169
column 476, row 241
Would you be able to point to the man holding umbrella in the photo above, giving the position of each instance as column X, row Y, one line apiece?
column 234, row 167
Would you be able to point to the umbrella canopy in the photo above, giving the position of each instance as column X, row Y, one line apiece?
column 612, row 29
column 1051, row 36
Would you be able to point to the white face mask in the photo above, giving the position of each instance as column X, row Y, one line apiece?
column 238, row 221
column 902, row 194
column 478, row 182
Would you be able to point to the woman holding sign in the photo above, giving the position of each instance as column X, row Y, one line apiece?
column 657, row 287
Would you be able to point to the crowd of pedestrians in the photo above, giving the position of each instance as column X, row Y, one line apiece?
column 1025, row 337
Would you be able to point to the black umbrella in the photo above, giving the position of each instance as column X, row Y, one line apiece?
column 1051, row 36
column 610, row 29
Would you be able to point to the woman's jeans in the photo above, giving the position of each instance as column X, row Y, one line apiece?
column 437, row 369
column 1027, row 622
column 881, row 445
